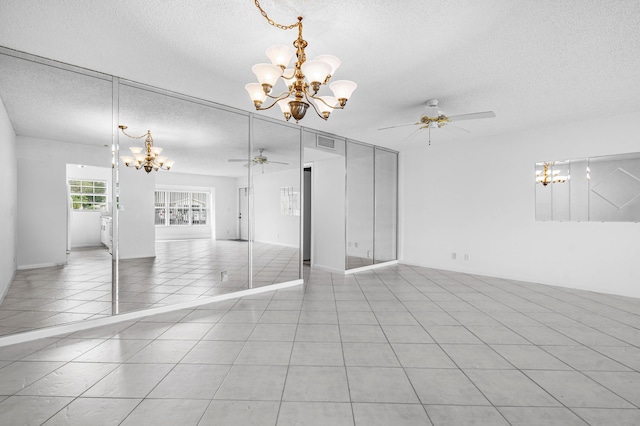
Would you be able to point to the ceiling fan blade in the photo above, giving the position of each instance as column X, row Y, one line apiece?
column 453, row 126
column 237, row 160
column 398, row 125
column 276, row 162
column 473, row 116
column 410, row 135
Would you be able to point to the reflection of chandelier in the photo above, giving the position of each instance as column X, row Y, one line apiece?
column 150, row 158
column 303, row 81
column 546, row 176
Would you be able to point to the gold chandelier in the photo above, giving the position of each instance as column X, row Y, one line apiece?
column 147, row 158
column 547, row 176
column 303, row 81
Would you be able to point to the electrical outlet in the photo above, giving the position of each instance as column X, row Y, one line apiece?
column 224, row 276
column 355, row 245
column 368, row 254
column 453, row 256
column 467, row 256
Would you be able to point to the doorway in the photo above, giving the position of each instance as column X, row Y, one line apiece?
column 243, row 214
column 306, row 226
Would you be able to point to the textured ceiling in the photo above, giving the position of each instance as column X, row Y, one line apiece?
column 535, row 63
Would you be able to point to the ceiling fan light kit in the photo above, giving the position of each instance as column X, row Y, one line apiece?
column 303, row 81
column 147, row 158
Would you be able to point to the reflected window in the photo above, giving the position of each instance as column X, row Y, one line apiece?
column 290, row 201
column 181, row 208
column 88, row 194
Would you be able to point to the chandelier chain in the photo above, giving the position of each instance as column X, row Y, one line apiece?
column 275, row 24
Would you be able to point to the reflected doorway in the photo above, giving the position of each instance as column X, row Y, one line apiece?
column 243, row 214
column 306, row 240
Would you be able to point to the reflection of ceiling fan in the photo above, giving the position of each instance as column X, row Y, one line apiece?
column 432, row 117
column 258, row 159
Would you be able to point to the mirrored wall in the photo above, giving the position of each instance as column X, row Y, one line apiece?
column 372, row 205
column 600, row 189
column 96, row 238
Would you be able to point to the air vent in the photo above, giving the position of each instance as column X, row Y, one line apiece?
column 325, row 143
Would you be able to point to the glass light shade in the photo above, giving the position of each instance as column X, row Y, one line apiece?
column 127, row 159
column 280, row 55
column 256, row 92
column 140, row 157
column 289, row 76
column 267, row 73
column 342, row 89
column 136, row 149
column 169, row 164
column 156, row 150
column 161, row 159
column 284, row 105
column 322, row 106
column 316, row 71
column 331, row 60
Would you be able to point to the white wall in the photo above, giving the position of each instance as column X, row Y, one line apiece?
column 270, row 225
column 42, row 196
column 85, row 225
column 136, row 227
column 225, row 205
column 8, row 201
column 328, row 206
column 477, row 197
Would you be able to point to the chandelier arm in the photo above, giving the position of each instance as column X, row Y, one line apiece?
column 279, row 98
column 314, row 106
column 324, row 102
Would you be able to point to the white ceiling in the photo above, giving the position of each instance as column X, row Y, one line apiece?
column 535, row 63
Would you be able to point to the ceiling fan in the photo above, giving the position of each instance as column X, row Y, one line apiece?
column 432, row 117
column 258, row 159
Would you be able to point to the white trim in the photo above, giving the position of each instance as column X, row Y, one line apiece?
column 40, row 265
column 86, row 324
column 368, row 267
column 326, row 268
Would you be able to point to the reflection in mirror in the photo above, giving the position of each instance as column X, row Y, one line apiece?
column 605, row 189
column 360, row 205
column 61, row 122
column 276, row 201
column 386, row 199
column 180, row 236
column 324, row 193
column 614, row 188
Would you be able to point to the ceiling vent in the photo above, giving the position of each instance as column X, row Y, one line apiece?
column 325, row 143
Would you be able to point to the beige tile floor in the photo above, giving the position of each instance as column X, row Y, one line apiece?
column 181, row 271
column 395, row 346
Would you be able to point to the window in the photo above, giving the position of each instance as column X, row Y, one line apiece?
column 88, row 194
column 179, row 208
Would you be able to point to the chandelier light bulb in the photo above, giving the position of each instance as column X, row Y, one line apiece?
column 135, row 149
column 280, row 55
column 267, row 74
column 333, row 61
column 342, row 89
column 289, row 77
column 256, row 92
column 316, row 72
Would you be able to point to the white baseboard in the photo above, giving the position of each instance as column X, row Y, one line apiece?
column 369, row 267
column 40, row 265
column 326, row 268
